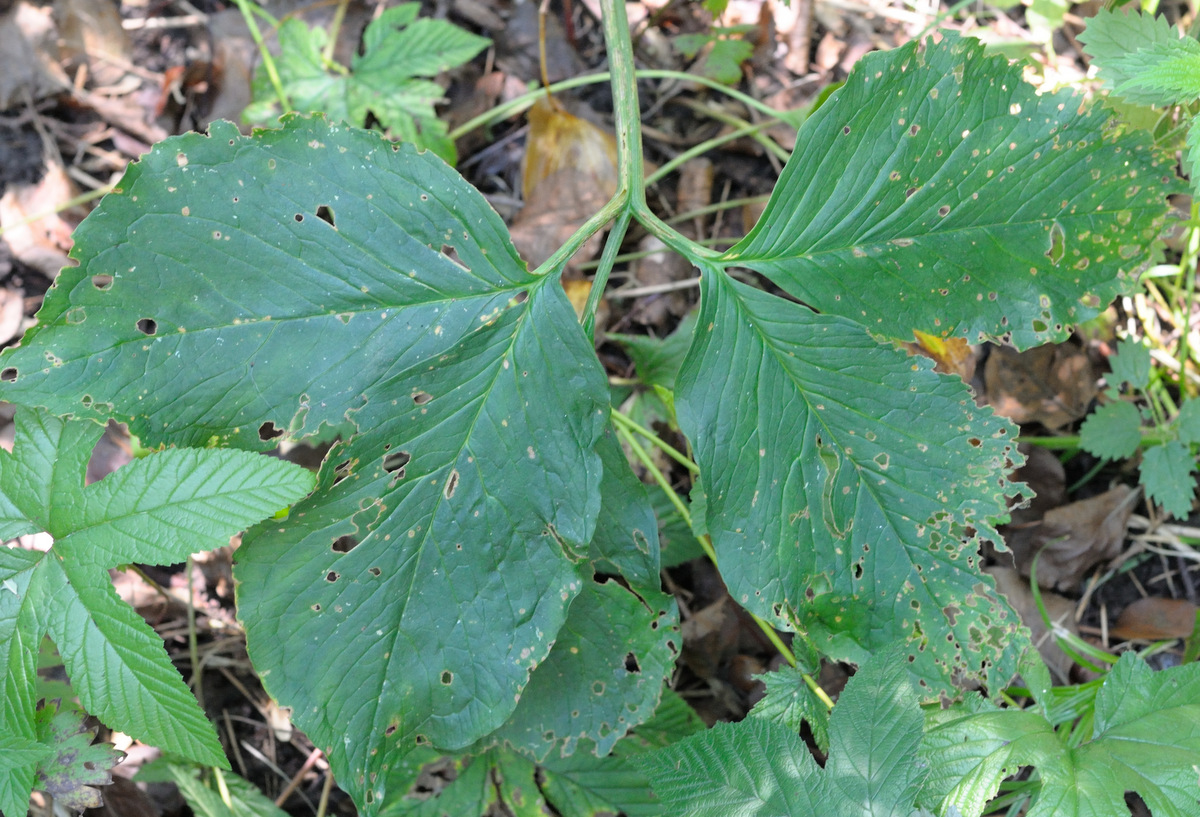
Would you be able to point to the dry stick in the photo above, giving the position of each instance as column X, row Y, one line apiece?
column 233, row 742
column 325, row 793
column 312, row 758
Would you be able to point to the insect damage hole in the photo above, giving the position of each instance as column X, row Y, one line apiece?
column 344, row 544
column 421, row 398
column 631, row 663
column 326, row 215
column 8, row 375
column 451, row 485
column 394, row 463
column 269, row 431
column 147, row 326
column 102, row 282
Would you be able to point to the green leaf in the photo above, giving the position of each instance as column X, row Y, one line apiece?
column 245, row 800
column 449, row 533
column 790, row 701
column 656, row 361
column 1167, row 475
column 938, row 191
column 603, row 676
column 841, row 479
column 1145, row 738
column 383, row 80
column 155, row 510
column 1112, row 431
column 75, row 767
column 1131, row 364
column 1112, row 36
column 1170, row 69
column 760, row 767
column 1188, row 422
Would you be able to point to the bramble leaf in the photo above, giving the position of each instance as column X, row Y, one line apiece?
column 1131, row 364
column 790, row 702
column 1146, row 739
column 1112, row 431
column 841, row 478
column 1114, row 38
column 1168, row 476
column 75, row 767
column 383, row 80
column 938, row 191
column 155, row 510
column 330, row 279
column 760, row 767
column 1188, row 422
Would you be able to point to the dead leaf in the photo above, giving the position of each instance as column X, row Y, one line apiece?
column 1061, row 611
column 1075, row 537
column 27, row 38
column 710, row 638
column 1046, row 479
column 570, row 173
column 950, row 355
column 659, row 266
column 1051, row 384
column 43, row 243
column 1154, row 618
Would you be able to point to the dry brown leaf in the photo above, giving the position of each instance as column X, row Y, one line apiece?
column 1015, row 588
column 950, row 355
column 1075, row 537
column 570, row 173
column 559, row 140
column 1154, row 618
column 1046, row 479
column 42, row 244
column 710, row 637
column 1051, row 384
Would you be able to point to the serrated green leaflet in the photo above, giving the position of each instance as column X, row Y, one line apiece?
column 1113, row 34
column 840, row 479
column 1170, row 69
column 938, row 191
column 244, row 798
column 1188, row 422
column 1146, row 739
column 789, row 701
column 1112, row 431
column 445, row 535
column 382, row 80
column 1131, row 364
column 1168, row 476
column 760, row 767
column 156, row 510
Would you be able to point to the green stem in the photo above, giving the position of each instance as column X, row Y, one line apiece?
column 523, row 102
column 669, row 450
column 1193, row 252
column 706, row 545
column 600, row 280
column 248, row 12
column 704, row 147
column 339, row 15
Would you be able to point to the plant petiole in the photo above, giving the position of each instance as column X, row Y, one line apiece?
column 667, row 449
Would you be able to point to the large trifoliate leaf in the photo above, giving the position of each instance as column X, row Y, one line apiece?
column 938, row 191
column 847, row 484
column 391, row 79
column 761, row 768
column 1123, row 44
column 1145, row 738
column 317, row 276
column 155, row 510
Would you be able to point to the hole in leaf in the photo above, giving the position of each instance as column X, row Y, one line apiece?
column 521, row 297
column 316, row 608
column 269, row 431
column 299, row 217
column 631, row 663
column 447, row 677
column 332, row 576
column 394, row 463
column 421, row 398
column 1057, row 244
column 341, row 471
column 451, row 484
column 857, row 570
column 344, row 544
column 374, row 571
column 391, row 730
column 9, row 374
column 102, row 282
column 326, row 215
column 147, row 326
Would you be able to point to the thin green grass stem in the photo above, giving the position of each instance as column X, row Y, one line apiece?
column 654, row 439
column 248, row 10
column 705, row 147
